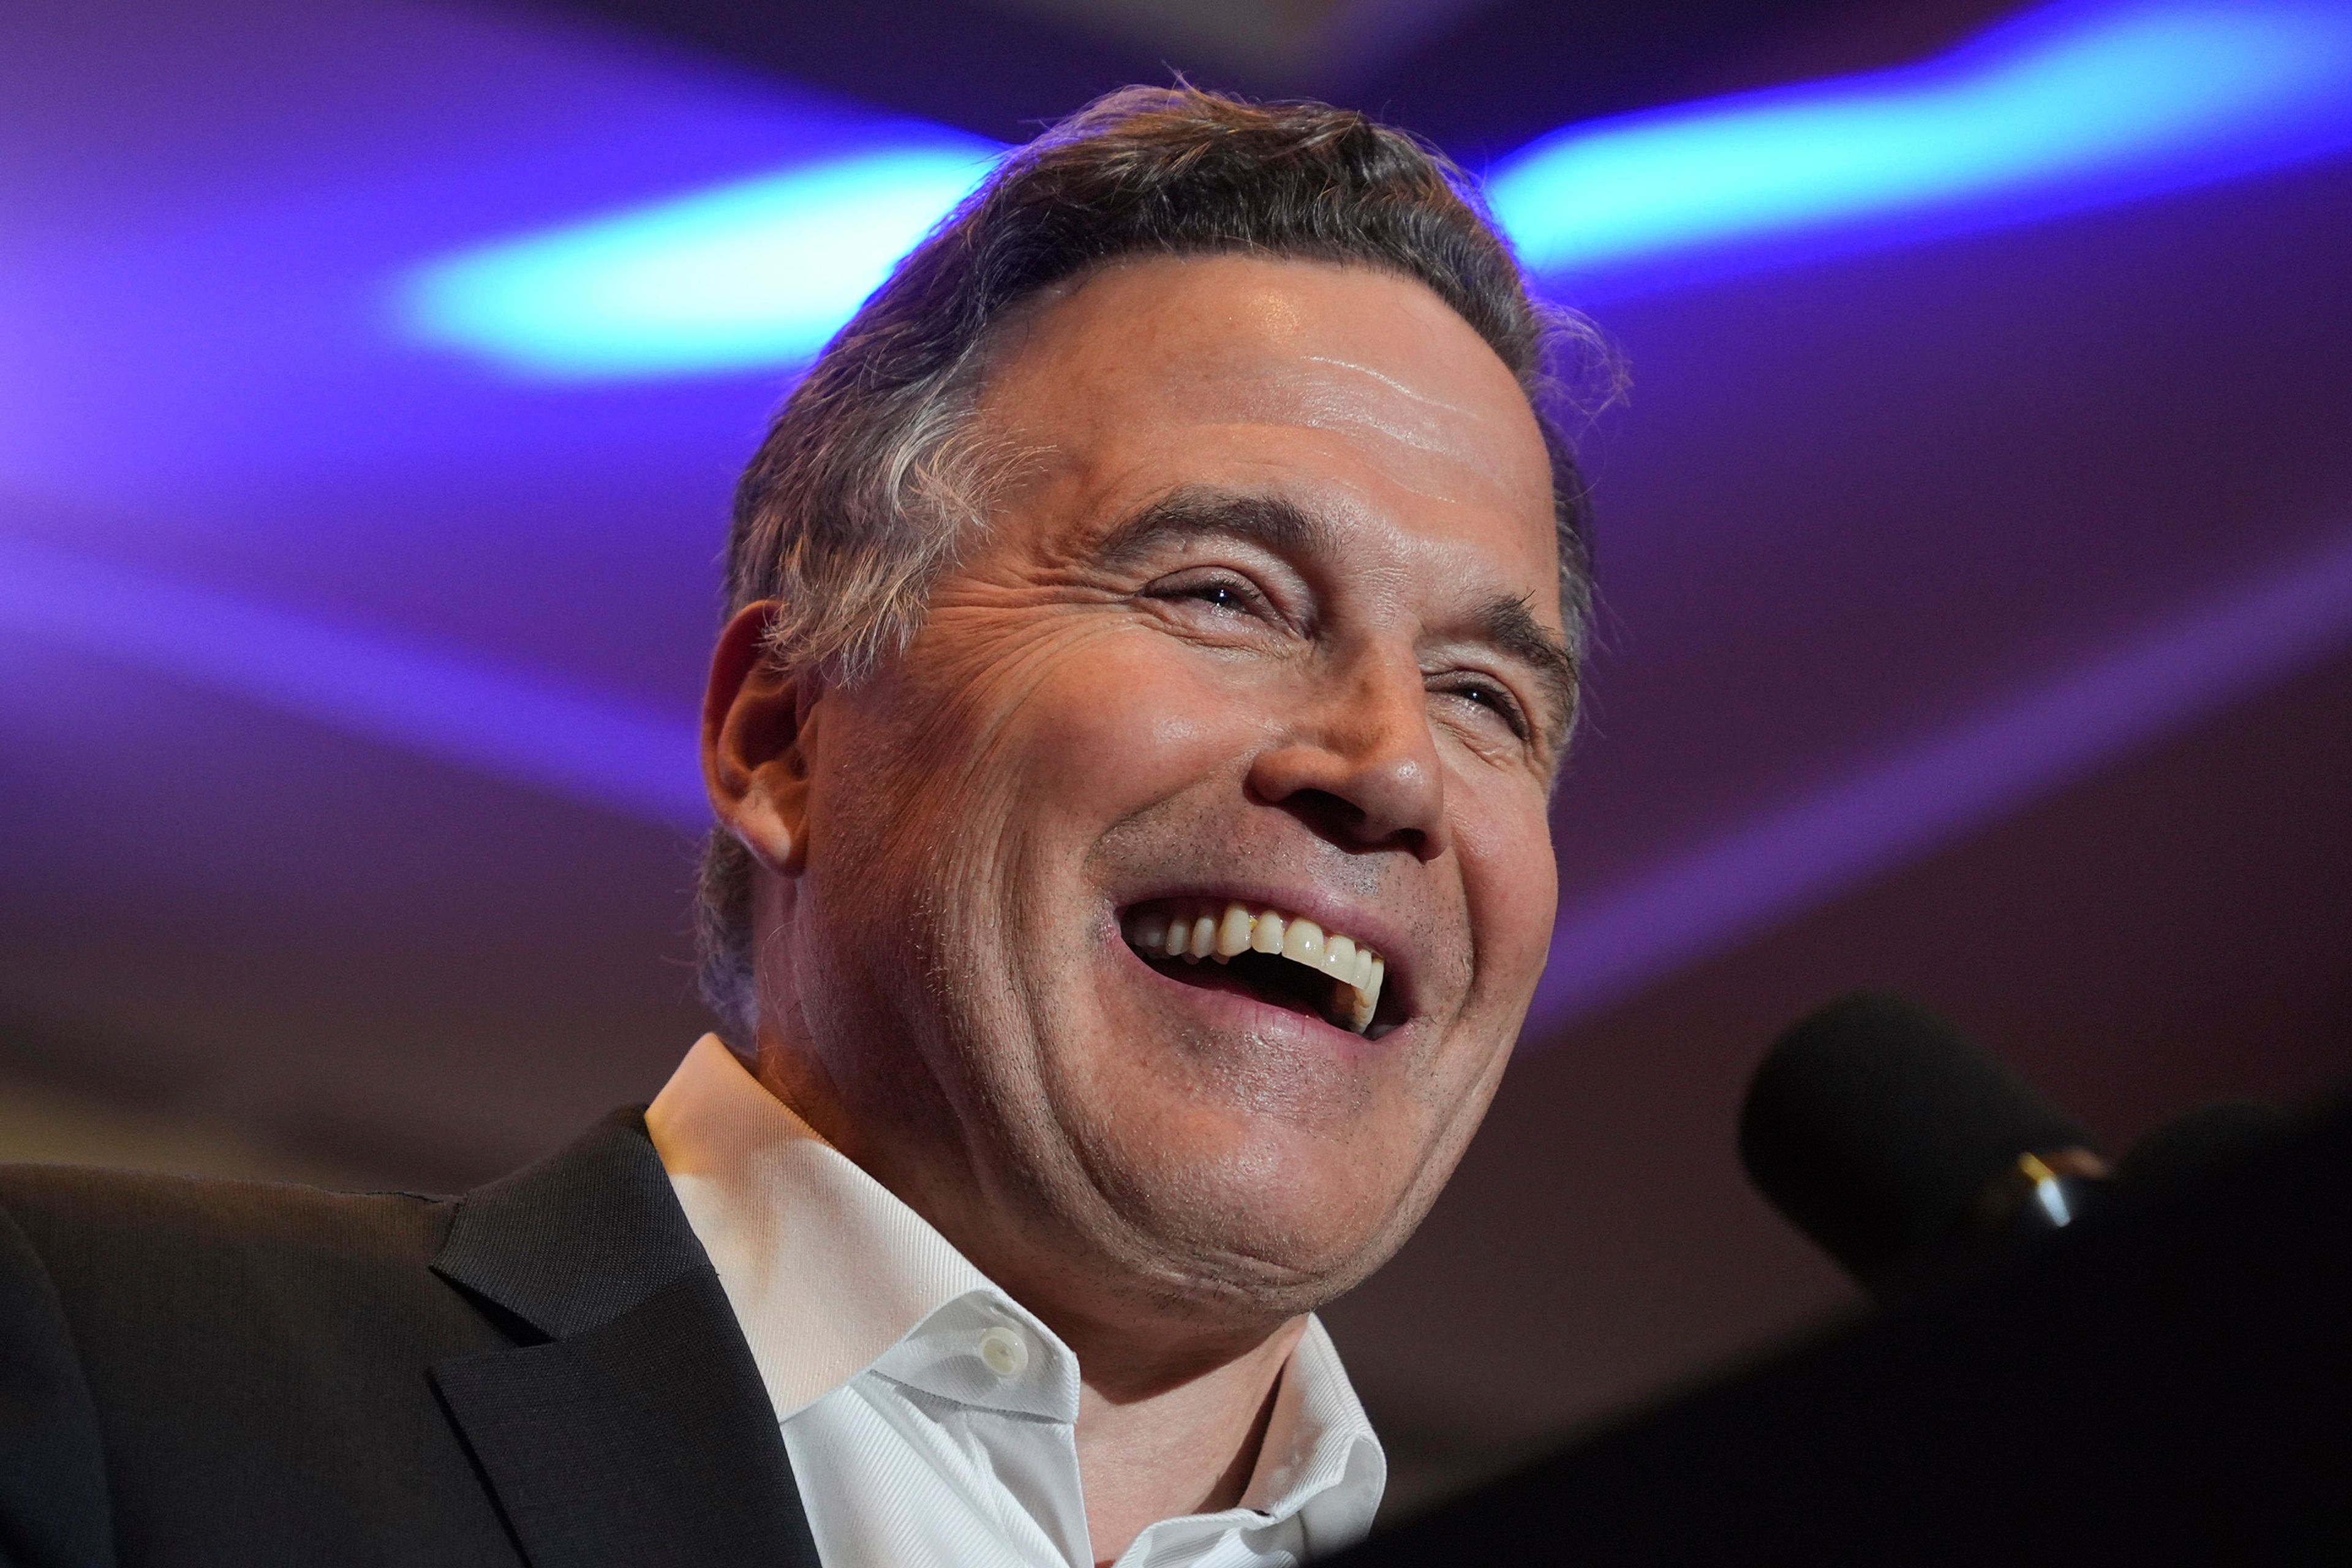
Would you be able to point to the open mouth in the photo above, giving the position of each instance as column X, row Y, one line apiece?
column 1284, row 960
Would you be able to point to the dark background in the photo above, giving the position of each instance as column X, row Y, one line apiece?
column 1931, row 574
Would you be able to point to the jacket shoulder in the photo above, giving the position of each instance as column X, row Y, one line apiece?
column 126, row 1228
column 240, row 1294
column 243, row 1357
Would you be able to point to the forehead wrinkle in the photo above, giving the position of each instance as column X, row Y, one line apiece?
column 1419, row 442
column 1428, row 425
column 1390, row 382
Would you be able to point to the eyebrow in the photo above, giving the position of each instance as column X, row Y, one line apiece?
column 1196, row 511
column 1282, row 527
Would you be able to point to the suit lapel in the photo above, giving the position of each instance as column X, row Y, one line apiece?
column 635, row 1431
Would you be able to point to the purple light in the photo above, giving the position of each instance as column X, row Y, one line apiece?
column 1608, row 946
column 527, row 729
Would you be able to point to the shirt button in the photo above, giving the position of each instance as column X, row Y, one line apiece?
column 1005, row 1352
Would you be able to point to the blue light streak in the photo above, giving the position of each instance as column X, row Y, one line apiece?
column 750, row 275
column 2076, row 106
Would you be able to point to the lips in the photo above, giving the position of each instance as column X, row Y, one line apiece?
column 1285, row 957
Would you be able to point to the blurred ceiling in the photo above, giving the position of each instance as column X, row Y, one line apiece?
column 1979, row 620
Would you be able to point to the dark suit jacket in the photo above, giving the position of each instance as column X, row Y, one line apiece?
column 544, row 1370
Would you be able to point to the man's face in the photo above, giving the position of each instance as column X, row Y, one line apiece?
column 1271, row 621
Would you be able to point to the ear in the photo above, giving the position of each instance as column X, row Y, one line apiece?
column 754, row 729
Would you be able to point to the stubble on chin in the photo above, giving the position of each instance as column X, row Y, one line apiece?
column 1241, row 1177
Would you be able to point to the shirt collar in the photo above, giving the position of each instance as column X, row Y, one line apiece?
column 1319, row 1461
column 1319, row 1435
column 825, row 1268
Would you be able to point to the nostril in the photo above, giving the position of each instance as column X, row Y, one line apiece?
column 1381, row 787
column 1327, row 813
column 1341, row 821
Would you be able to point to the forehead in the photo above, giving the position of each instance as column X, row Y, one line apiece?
column 1352, row 391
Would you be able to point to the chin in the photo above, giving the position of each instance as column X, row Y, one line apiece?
column 1268, row 1229
column 1232, row 1156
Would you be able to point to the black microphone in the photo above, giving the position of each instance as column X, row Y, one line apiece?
column 1916, row 1159
column 1909, row 1154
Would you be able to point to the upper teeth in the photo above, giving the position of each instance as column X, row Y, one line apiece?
column 1295, row 937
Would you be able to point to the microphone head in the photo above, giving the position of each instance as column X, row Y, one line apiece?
column 1876, row 1127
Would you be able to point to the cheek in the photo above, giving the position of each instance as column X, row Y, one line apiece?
column 1124, row 727
column 1512, row 883
column 1021, row 743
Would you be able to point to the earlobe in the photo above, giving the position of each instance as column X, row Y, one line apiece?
column 762, row 830
column 754, row 735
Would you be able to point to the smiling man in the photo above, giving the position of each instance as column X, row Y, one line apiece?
column 1156, row 629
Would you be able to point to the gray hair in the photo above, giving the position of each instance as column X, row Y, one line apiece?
column 872, row 476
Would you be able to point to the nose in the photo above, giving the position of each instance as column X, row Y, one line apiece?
column 1360, row 764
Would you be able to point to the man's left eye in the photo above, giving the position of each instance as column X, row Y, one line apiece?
column 1484, row 694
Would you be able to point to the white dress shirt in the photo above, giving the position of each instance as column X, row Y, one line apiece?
column 928, row 1418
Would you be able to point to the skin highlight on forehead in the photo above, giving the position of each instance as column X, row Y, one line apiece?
column 1330, row 395
column 1412, row 392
